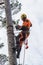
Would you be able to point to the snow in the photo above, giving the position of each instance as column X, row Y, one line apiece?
column 33, row 55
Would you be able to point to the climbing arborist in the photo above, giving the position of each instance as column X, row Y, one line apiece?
column 23, row 34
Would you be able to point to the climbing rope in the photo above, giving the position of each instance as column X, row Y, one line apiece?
column 19, row 61
column 24, row 55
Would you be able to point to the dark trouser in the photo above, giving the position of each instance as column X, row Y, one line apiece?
column 18, row 52
column 18, row 47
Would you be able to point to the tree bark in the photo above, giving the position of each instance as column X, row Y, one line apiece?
column 1, row 2
column 10, row 34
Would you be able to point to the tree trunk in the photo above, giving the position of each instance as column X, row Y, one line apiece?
column 10, row 34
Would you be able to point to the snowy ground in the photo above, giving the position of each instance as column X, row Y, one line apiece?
column 34, row 55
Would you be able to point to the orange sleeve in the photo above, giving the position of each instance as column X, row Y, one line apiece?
column 29, row 24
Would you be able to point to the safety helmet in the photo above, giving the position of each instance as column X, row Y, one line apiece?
column 23, row 16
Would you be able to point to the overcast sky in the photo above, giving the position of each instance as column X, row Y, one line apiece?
column 34, row 10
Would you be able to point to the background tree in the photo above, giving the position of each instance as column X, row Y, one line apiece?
column 15, row 8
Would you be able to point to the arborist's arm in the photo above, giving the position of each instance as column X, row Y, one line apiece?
column 21, row 27
column 30, row 24
column 18, row 27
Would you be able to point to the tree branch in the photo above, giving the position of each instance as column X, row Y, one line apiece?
column 1, row 3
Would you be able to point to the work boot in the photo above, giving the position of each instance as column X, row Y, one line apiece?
column 18, row 52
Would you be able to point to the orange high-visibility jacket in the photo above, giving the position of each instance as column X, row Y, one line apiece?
column 27, row 23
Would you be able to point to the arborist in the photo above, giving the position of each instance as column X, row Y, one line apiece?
column 23, row 34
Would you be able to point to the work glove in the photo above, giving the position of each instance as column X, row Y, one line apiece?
column 18, row 27
column 26, row 47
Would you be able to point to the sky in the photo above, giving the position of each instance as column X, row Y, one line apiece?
column 34, row 11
